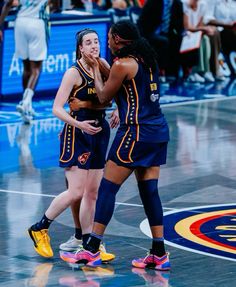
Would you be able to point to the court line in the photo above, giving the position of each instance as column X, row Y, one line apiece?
column 166, row 105
column 53, row 196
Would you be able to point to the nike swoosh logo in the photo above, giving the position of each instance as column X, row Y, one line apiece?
column 89, row 82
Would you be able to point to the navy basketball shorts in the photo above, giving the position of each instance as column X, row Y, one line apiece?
column 83, row 150
column 130, row 153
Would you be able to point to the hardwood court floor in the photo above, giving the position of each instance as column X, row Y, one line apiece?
column 197, row 187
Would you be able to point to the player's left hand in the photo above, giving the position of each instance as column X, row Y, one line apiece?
column 114, row 119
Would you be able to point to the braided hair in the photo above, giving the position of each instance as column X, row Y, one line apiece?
column 79, row 39
column 135, row 44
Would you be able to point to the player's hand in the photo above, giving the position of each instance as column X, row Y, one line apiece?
column 74, row 104
column 87, row 127
column 114, row 119
column 91, row 60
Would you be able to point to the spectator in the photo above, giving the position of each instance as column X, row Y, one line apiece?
column 118, row 11
column 222, row 13
column 194, row 12
column 161, row 22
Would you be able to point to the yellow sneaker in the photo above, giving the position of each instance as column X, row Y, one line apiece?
column 105, row 257
column 41, row 241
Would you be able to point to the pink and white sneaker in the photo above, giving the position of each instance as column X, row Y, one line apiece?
column 154, row 262
column 82, row 256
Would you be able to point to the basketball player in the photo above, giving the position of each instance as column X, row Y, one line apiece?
column 30, row 46
column 83, row 146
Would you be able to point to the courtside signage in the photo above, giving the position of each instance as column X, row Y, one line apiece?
column 61, row 55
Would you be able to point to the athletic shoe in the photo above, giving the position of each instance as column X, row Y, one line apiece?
column 220, row 77
column 105, row 257
column 209, row 77
column 195, row 78
column 41, row 241
column 82, row 256
column 72, row 244
column 152, row 261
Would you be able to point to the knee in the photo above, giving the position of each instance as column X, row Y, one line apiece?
column 91, row 194
column 27, row 72
column 75, row 196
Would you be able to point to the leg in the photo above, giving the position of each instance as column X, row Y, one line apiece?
column 30, row 78
column 215, row 50
column 39, row 231
column 147, row 184
column 114, row 176
column 35, row 68
column 75, row 212
column 88, row 203
column 143, row 176
column 26, row 73
column 76, row 179
column 87, row 210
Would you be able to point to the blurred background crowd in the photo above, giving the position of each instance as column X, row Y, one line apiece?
column 207, row 28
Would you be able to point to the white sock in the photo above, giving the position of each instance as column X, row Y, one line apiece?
column 27, row 97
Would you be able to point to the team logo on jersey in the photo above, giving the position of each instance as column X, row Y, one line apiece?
column 209, row 230
column 91, row 91
column 154, row 97
column 84, row 157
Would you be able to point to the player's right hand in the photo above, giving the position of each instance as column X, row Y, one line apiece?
column 87, row 127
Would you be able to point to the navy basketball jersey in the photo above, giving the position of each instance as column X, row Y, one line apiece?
column 139, row 108
column 78, row 148
column 85, row 92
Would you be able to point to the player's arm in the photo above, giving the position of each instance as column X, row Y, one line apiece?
column 118, row 73
column 70, row 79
column 76, row 104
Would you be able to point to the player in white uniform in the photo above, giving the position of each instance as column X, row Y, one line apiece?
column 30, row 46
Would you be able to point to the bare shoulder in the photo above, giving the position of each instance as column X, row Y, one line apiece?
column 125, row 64
column 72, row 75
column 127, row 67
column 125, row 61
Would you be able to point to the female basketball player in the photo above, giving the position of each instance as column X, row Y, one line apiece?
column 84, row 142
